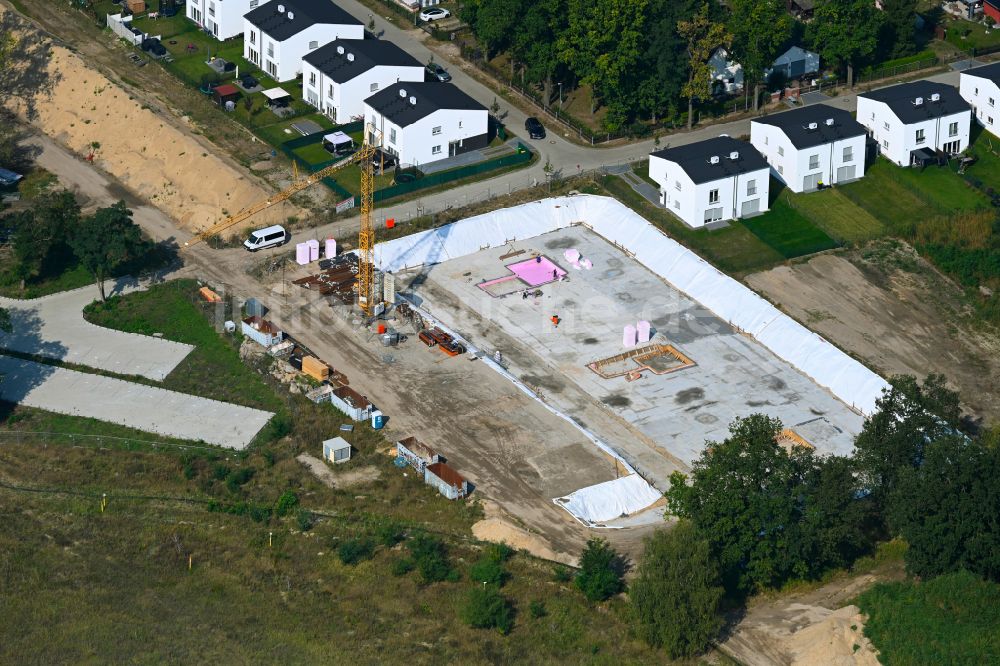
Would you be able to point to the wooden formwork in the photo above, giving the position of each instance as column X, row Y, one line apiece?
column 644, row 358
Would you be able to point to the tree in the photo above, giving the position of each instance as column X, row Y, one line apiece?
column 486, row 608
column 495, row 23
column 431, row 558
column 665, row 62
column 40, row 235
column 702, row 37
column 908, row 416
column 760, row 28
column 5, row 324
column 899, row 29
column 26, row 71
column 845, row 32
column 106, row 241
column 946, row 509
column 676, row 594
column 600, row 571
column 743, row 497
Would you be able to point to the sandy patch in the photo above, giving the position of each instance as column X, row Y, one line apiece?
column 152, row 158
column 338, row 479
column 496, row 529
column 833, row 638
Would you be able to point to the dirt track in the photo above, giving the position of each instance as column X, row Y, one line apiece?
column 896, row 321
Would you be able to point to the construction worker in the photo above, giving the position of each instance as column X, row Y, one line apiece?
column 555, row 320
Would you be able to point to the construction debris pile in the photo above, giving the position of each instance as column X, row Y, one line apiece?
column 338, row 279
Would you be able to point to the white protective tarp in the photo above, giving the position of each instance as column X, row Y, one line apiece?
column 726, row 298
column 609, row 500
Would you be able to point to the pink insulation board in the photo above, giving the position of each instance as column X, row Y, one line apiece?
column 537, row 271
column 628, row 336
column 642, row 330
column 331, row 248
column 313, row 249
column 301, row 254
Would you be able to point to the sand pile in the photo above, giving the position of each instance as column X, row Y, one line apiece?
column 495, row 529
column 832, row 638
column 152, row 158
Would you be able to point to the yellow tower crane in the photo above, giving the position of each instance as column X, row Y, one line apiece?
column 366, row 237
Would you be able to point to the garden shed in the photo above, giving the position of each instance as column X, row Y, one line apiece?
column 337, row 450
column 226, row 93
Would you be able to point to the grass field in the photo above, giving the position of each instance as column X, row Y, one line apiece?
column 787, row 231
column 886, row 199
column 213, row 369
column 953, row 619
column 838, row 216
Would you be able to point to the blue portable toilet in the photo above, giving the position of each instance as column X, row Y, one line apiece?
column 378, row 420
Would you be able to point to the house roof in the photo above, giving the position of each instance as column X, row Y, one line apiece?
column 696, row 158
column 901, row 99
column 793, row 54
column 429, row 97
column 446, row 474
column 345, row 59
column 9, row 177
column 352, row 397
column 831, row 125
column 336, row 444
column 296, row 16
column 227, row 90
column 990, row 72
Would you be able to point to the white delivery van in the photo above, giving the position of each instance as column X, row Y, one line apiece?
column 269, row 237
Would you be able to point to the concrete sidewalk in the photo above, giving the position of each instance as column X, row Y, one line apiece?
column 138, row 406
column 54, row 327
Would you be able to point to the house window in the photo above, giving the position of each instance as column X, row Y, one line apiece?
column 331, row 91
column 991, row 102
column 751, row 188
column 989, row 119
column 781, row 170
column 766, row 140
column 781, row 150
column 253, row 37
column 713, row 214
column 254, row 3
column 312, row 78
column 459, row 124
column 953, row 129
column 814, row 161
column 311, row 98
column 436, row 150
column 976, row 91
column 920, row 136
column 873, row 115
column 313, row 45
column 392, row 135
column 677, row 204
column 436, row 130
column 677, row 185
column 373, row 87
column 848, row 154
column 270, row 50
column 211, row 9
column 272, row 69
column 713, row 196
column 885, row 144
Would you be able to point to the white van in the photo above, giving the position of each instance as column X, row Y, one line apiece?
column 269, row 237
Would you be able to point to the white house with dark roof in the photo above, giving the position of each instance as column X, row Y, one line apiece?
column 279, row 34
column 223, row 19
column 425, row 122
column 980, row 87
column 337, row 78
column 711, row 181
column 811, row 145
column 912, row 121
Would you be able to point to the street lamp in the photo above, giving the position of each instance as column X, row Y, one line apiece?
column 560, row 95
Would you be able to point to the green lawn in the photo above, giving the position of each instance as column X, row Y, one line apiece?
column 73, row 278
column 279, row 132
column 967, row 35
column 213, row 369
column 953, row 619
column 887, row 199
column 986, row 147
column 940, row 187
column 837, row 215
column 166, row 27
column 787, row 231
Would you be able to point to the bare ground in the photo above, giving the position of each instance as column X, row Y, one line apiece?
column 346, row 478
column 895, row 313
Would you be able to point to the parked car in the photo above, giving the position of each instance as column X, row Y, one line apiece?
column 435, row 72
column 534, row 128
column 434, row 14
column 268, row 237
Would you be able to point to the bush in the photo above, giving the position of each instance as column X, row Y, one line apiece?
column 220, row 472
column 489, row 571
column 431, row 558
column 306, row 520
column 600, row 571
column 537, row 609
column 499, row 552
column 235, row 480
column 353, row 551
column 402, row 566
column 388, row 534
column 286, row 503
column 486, row 608
column 561, row 574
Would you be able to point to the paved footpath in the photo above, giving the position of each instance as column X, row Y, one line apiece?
column 54, row 327
column 148, row 408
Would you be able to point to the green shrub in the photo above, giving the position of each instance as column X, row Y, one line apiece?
column 388, row 534
column 489, row 571
column 600, row 575
column 236, row 479
column 561, row 574
column 486, row 608
column 220, row 472
column 498, row 552
column 306, row 520
column 353, row 551
column 431, row 558
column 286, row 503
column 537, row 609
column 402, row 566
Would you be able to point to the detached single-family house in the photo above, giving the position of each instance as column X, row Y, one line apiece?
column 980, row 87
column 337, row 77
column 710, row 181
column 727, row 74
column 417, row 454
column 448, row 482
column 426, row 122
column 912, row 121
column 811, row 145
column 794, row 63
column 991, row 8
column 277, row 35
column 223, row 19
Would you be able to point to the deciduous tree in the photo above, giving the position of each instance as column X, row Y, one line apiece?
column 760, row 28
column 600, row 571
column 845, row 32
column 702, row 36
column 106, row 241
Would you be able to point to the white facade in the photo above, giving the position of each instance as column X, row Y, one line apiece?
column 803, row 169
column 343, row 101
column 223, row 19
column 434, row 137
column 282, row 60
column 897, row 140
column 727, row 74
column 983, row 95
column 698, row 204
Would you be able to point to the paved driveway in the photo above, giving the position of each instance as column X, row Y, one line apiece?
column 54, row 327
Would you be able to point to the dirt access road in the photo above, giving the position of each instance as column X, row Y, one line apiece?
column 895, row 313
